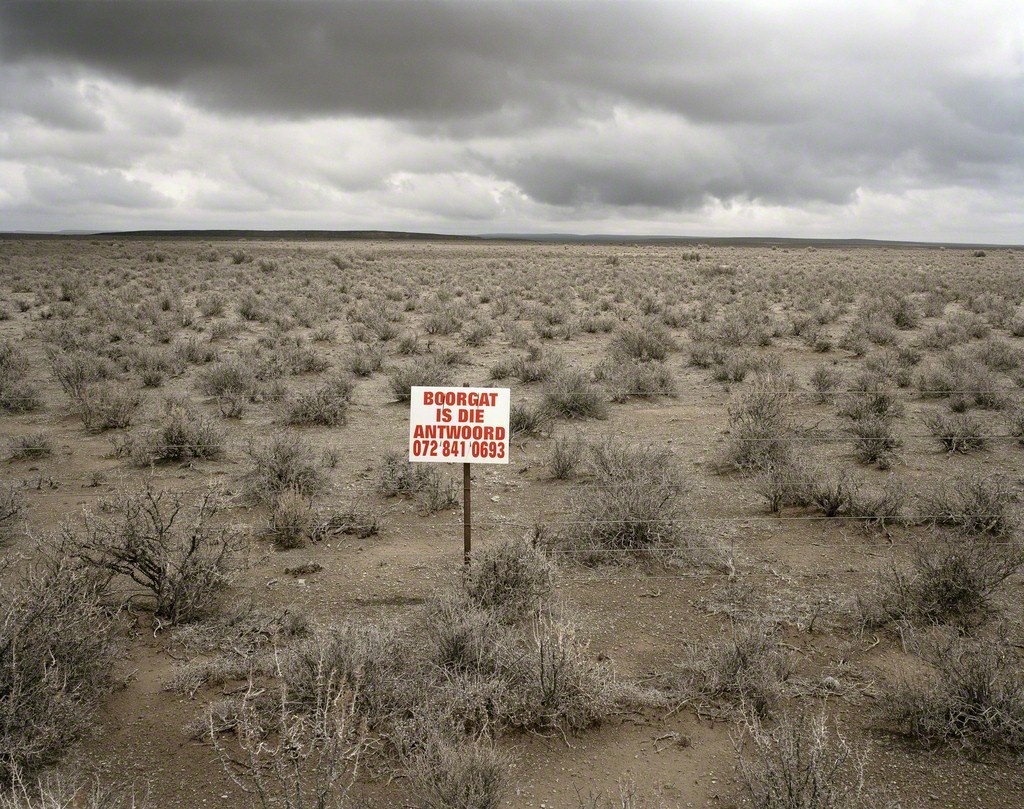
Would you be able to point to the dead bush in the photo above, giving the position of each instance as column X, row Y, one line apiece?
column 633, row 505
column 949, row 580
column 624, row 379
column 326, row 405
column 56, row 791
column 282, row 463
column 525, row 419
column 431, row 371
column 175, row 553
column 825, row 380
column 56, row 646
column 567, row 454
column 760, row 429
column 642, row 342
column 957, row 432
column 365, row 360
column 747, row 670
column 801, row 763
column 12, row 507
column 786, row 483
column 31, row 446
column 879, row 508
column 571, row 394
column 107, row 406
column 512, row 579
column 154, row 365
column 536, row 366
column 974, row 698
column 16, row 395
column 297, row 756
column 373, row 660
column 76, row 370
column 436, row 490
column 347, row 520
column 972, row 505
column 185, row 435
column 874, row 441
column 833, row 492
column 233, row 383
column 291, row 520
column 550, row 681
column 449, row 772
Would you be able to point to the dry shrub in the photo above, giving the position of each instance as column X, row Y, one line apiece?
column 536, row 366
column 12, row 507
column 549, row 681
column 30, row 446
column 633, row 505
column 525, row 419
column 176, row 553
column 874, row 441
column 571, row 394
column 642, row 342
column 949, row 579
column 431, row 371
column 785, row 484
column 879, row 508
column 16, row 395
column 233, row 645
column 760, row 429
column 512, row 578
column 281, row 464
column 58, row 791
column 747, row 670
column 800, row 763
column 871, row 398
column 448, row 772
column 154, row 365
column 972, row 505
column 566, row 455
column 291, row 520
column 627, row 796
column 233, row 383
column 346, row 520
column 297, row 756
column 973, row 698
column 55, row 656
column 373, row 660
column 630, row 378
column 397, row 476
column 107, row 406
column 76, row 370
column 186, row 434
column 326, row 405
column 833, row 492
column 957, row 432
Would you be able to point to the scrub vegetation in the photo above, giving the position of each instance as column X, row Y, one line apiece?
column 757, row 543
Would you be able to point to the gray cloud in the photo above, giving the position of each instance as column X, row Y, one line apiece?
column 76, row 186
column 477, row 112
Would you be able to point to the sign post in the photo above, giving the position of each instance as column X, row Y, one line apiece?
column 460, row 425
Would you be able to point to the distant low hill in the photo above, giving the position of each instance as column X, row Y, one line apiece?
column 548, row 238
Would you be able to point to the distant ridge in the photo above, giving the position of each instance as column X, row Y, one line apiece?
column 286, row 235
column 540, row 238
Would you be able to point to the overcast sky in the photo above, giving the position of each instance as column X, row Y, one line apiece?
column 890, row 119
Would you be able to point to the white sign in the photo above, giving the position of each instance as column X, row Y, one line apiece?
column 459, row 425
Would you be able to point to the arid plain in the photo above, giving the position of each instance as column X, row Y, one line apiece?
column 758, row 542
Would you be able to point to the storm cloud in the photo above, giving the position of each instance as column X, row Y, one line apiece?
column 483, row 116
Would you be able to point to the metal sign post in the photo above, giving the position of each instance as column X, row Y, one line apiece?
column 467, row 523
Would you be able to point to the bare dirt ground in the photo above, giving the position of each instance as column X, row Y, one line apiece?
column 732, row 316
